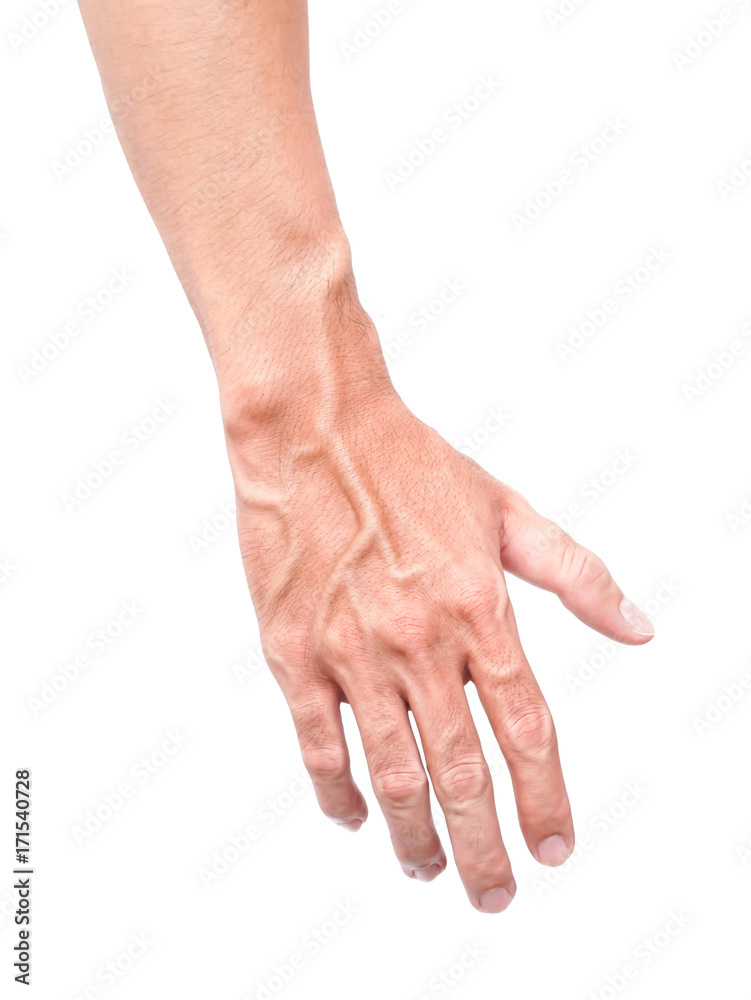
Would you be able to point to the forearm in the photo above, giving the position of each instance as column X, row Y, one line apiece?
column 226, row 153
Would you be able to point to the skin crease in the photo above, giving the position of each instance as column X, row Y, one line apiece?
column 374, row 551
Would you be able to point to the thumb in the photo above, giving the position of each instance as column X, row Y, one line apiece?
column 538, row 551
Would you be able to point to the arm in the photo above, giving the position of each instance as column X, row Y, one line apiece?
column 374, row 551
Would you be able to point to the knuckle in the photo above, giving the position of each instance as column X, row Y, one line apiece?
column 463, row 780
column 580, row 567
column 482, row 603
column 283, row 648
column 569, row 557
column 400, row 787
column 532, row 731
column 511, row 502
column 408, row 633
column 504, row 668
column 336, row 644
column 325, row 762
column 594, row 572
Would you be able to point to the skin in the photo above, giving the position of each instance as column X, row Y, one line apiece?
column 374, row 552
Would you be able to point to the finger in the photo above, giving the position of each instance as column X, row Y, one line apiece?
column 400, row 783
column 538, row 551
column 524, row 728
column 463, row 786
column 325, row 755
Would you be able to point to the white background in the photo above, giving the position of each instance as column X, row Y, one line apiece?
column 182, row 665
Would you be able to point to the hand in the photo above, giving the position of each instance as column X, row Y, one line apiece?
column 374, row 551
column 375, row 556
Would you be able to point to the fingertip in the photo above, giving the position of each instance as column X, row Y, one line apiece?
column 640, row 627
column 427, row 874
column 614, row 616
column 634, row 640
column 352, row 825
column 496, row 900
column 352, row 819
column 553, row 851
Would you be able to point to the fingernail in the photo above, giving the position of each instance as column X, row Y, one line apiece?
column 495, row 900
column 553, row 851
column 427, row 874
column 354, row 825
column 635, row 618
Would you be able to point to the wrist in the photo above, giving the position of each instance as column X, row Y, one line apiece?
column 240, row 293
column 301, row 352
